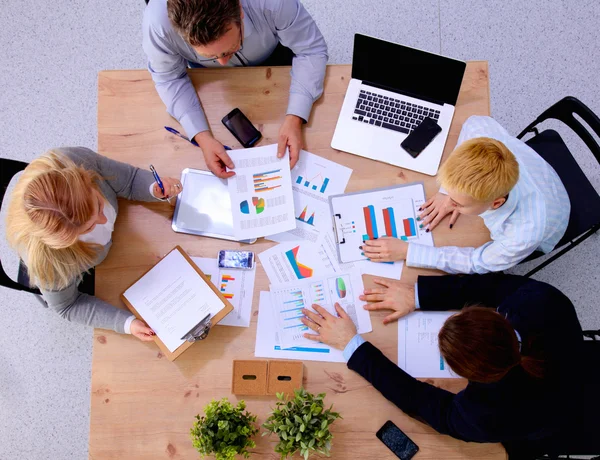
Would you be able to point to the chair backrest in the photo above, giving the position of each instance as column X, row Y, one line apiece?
column 8, row 170
column 585, row 201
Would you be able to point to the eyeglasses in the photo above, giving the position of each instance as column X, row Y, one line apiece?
column 241, row 47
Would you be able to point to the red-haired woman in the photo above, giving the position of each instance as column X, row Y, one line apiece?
column 515, row 339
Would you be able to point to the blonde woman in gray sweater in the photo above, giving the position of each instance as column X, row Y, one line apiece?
column 60, row 220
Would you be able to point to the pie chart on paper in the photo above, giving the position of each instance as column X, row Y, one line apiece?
column 341, row 288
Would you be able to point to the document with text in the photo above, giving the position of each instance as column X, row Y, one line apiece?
column 418, row 350
column 237, row 286
column 172, row 298
column 262, row 202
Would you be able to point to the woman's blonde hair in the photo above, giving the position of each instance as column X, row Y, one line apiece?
column 482, row 168
column 51, row 202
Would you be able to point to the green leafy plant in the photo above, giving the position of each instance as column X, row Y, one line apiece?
column 225, row 430
column 302, row 424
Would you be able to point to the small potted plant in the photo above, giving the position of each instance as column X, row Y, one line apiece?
column 225, row 430
column 302, row 424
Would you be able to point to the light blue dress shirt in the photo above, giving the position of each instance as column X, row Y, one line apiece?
column 534, row 217
column 266, row 23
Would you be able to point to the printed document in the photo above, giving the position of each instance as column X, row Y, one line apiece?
column 418, row 351
column 268, row 345
column 289, row 299
column 313, row 179
column 262, row 203
column 237, row 286
column 172, row 298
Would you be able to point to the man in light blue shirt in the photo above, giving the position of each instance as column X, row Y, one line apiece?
column 527, row 208
column 214, row 33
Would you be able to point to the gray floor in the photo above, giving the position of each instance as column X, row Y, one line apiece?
column 539, row 51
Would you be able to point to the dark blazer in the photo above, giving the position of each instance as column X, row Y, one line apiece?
column 518, row 407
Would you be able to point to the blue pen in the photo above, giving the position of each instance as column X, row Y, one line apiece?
column 193, row 142
column 157, row 179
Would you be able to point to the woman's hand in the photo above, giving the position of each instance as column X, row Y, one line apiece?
column 393, row 295
column 385, row 249
column 435, row 209
column 333, row 331
column 142, row 331
column 172, row 188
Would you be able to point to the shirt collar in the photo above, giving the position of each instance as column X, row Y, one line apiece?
column 506, row 209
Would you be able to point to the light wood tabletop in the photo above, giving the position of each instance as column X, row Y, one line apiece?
column 142, row 405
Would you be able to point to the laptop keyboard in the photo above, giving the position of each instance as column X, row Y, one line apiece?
column 390, row 113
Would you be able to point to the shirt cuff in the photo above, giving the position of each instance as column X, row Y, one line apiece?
column 127, row 326
column 300, row 106
column 417, row 305
column 421, row 256
column 443, row 190
column 194, row 123
column 356, row 342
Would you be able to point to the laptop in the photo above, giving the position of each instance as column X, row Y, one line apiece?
column 393, row 88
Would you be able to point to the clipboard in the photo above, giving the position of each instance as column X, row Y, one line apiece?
column 202, row 327
column 204, row 207
column 341, row 228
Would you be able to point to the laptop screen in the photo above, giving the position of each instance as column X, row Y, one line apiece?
column 408, row 70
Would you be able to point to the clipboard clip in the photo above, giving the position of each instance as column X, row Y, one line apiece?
column 335, row 230
column 199, row 331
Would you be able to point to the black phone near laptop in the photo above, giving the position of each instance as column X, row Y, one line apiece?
column 421, row 137
column 243, row 130
column 395, row 440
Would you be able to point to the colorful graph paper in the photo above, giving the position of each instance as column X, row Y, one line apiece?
column 263, row 182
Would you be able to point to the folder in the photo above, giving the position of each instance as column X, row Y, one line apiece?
column 177, row 301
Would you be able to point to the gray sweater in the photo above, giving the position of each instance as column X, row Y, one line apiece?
column 120, row 181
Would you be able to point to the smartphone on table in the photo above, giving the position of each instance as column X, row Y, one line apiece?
column 243, row 260
column 242, row 129
column 395, row 440
column 421, row 137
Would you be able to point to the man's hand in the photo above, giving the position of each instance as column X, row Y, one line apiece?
column 332, row 331
column 290, row 135
column 394, row 295
column 435, row 209
column 215, row 155
column 142, row 331
column 385, row 249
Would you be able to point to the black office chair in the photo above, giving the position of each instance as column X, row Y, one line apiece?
column 584, row 220
column 581, row 438
column 9, row 169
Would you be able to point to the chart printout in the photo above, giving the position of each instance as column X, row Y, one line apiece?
column 289, row 299
column 314, row 179
column 262, row 202
column 390, row 212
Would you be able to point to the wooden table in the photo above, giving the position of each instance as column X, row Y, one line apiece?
column 143, row 405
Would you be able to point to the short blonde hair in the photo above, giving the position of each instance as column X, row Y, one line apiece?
column 50, row 203
column 482, row 168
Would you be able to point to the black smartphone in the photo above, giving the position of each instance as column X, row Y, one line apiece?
column 421, row 137
column 397, row 441
column 238, row 124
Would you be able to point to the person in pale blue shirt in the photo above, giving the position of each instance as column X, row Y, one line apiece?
column 498, row 177
column 214, row 33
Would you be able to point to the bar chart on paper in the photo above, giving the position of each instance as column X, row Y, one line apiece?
column 224, row 284
column 268, row 180
column 380, row 213
column 317, row 183
column 387, row 216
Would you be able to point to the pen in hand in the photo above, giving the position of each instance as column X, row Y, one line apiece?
column 159, row 182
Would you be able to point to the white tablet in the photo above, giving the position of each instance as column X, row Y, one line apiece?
column 204, row 206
